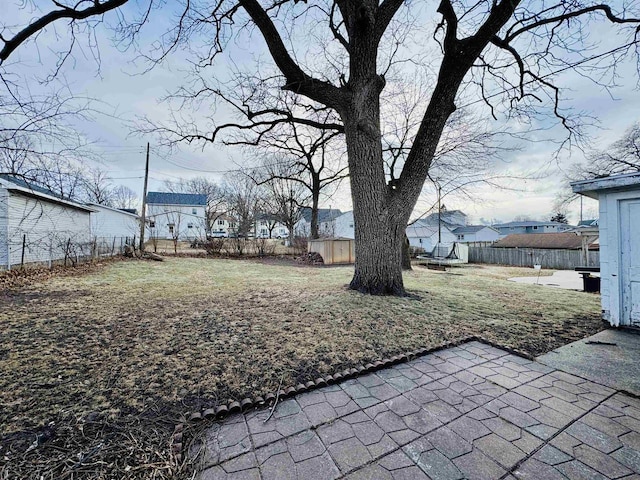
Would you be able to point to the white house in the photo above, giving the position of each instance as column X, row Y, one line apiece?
column 179, row 216
column 426, row 237
column 268, row 226
column 223, row 225
column 344, row 226
column 619, row 223
column 39, row 226
column 475, row 233
column 109, row 223
column 326, row 222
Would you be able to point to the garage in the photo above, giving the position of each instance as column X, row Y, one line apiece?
column 619, row 200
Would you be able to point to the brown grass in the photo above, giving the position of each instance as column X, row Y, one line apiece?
column 168, row 337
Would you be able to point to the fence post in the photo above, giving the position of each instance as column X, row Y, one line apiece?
column 24, row 244
column 66, row 252
column 113, row 247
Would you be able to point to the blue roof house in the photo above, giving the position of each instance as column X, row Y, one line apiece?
column 176, row 216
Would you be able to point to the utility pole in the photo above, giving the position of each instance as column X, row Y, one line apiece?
column 144, row 202
column 581, row 208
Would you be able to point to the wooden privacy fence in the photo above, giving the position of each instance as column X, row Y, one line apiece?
column 527, row 257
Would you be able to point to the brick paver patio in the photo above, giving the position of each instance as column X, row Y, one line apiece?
column 472, row 411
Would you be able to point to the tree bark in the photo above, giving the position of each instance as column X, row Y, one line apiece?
column 406, row 254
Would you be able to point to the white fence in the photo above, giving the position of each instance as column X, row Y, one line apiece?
column 58, row 250
column 526, row 257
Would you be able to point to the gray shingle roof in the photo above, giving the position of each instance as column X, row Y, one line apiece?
column 530, row 223
column 469, row 229
column 167, row 198
column 324, row 214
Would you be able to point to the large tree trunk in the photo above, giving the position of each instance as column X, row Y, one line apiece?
column 315, row 201
column 379, row 223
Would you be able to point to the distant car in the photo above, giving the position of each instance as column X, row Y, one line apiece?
column 283, row 235
column 219, row 235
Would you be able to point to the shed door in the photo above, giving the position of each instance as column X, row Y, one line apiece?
column 630, row 261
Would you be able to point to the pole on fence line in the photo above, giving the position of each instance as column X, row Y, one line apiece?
column 113, row 247
column 24, row 244
column 144, row 204
column 66, row 252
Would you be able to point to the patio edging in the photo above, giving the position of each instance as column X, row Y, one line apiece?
column 234, row 406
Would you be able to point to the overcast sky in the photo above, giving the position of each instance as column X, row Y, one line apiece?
column 126, row 94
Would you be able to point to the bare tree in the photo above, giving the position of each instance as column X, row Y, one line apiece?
column 124, row 197
column 96, row 187
column 244, row 202
column 622, row 156
column 514, row 45
column 285, row 195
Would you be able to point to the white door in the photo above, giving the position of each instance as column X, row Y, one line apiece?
column 630, row 261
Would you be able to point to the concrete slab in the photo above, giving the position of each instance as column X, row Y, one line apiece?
column 565, row 279
column 616, row 366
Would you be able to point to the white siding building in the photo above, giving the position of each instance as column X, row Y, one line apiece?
column 38, row 226
column 326, row 222
column 426, row 237
column 109, row 223
column 345, row 226
column 476, row 233
column 180, row 216
column 619, row 198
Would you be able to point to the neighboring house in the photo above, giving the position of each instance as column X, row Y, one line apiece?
column 449, row 218
column 588, row 223
column 49, row 227
column 326, row 222
column 223, row 225
column 560, row 241
column 345, row 226
column 268, row 226
column 108, row 223
column 530, row 227
column 476, row 233
column 619, row 228
column 426, row 237
column 176, row 216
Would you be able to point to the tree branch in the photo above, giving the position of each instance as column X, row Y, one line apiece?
column 23, row 35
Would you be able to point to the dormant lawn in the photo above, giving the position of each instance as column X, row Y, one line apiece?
column 167, row 337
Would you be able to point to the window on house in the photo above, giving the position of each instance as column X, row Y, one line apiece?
column 190, row 225
column 194, row 211
column 171, row 226
column 152, row 224
column 220, row 222
column 420, row 240
column 535, row 227
column 351, row 225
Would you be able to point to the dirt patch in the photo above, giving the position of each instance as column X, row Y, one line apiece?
column 136, row 344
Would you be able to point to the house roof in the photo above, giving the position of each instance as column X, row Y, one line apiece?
column 423, row 231
column 562, row 240
column 592, row 187
column 117, row 210
column 130, row 210
column 470, row 229
column 588, row 223
column 324, row 214
column 529, row 223
column 168, row 198
column 19, row 185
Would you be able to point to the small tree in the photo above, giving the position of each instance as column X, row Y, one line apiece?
column 560, row 217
